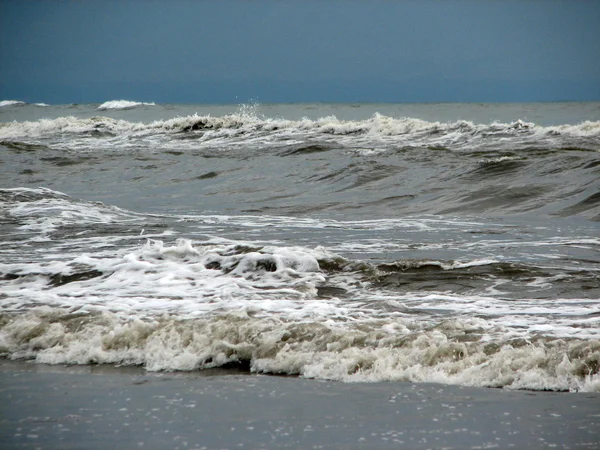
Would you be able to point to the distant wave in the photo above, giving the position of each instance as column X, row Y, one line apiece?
column 4, row 103
column 122, row 104
column 401, row 131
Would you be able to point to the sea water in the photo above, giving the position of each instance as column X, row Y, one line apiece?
column 452, row 243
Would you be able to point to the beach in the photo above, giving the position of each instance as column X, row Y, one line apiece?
column 105, row 407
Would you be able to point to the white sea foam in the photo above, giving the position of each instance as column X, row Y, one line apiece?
column 4, row 103
column 180, row 279
column 358, row 135
column 191, row 278
column 584, row 129
column 151, row 273
column 50, row 209
column 82, row 284
column 49, row 127
column 501, row 159
column 122, row 104
column 378, row 350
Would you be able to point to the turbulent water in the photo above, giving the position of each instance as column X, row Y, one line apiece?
column 448, row 243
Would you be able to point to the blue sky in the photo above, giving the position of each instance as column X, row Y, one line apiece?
column 299, row 51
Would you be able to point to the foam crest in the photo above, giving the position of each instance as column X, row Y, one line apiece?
column 122, row 104
column 383, row 350
column 409, row 131
column 4, row 103
column 44, row 210
column 69, row 124
column 176, row 279
column 584, row 129
column 7, row 103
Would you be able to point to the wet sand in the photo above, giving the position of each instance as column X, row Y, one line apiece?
column 99, row 407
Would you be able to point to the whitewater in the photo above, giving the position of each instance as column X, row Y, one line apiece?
column 449, row 243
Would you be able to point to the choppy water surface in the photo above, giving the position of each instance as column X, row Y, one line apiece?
column 449, row 243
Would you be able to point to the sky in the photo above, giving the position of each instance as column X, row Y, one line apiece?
column 226, row 51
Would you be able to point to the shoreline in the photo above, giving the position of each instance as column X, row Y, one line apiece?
column 44, row 406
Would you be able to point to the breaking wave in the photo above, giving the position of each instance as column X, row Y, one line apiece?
column 380, row 350
column 4, row 103
column 116, row 287
column 415, row 131
column 122, row 104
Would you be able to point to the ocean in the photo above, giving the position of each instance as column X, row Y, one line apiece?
column 447, row 243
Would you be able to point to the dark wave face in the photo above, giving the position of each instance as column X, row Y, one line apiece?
column 379, row 247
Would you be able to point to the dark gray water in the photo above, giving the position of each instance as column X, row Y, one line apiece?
column 447, row 243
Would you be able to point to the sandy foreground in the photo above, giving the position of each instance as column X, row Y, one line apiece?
column 100, row 407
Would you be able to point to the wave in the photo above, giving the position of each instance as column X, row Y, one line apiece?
column 535, row 170
column 4, row 103
column 50, row 127
column 409, row 131
column 140, row 259
column 378, row 125
column 122, row 104
column 45, row 214
column 43, row 210
column 84, row 282
column 382, row 350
